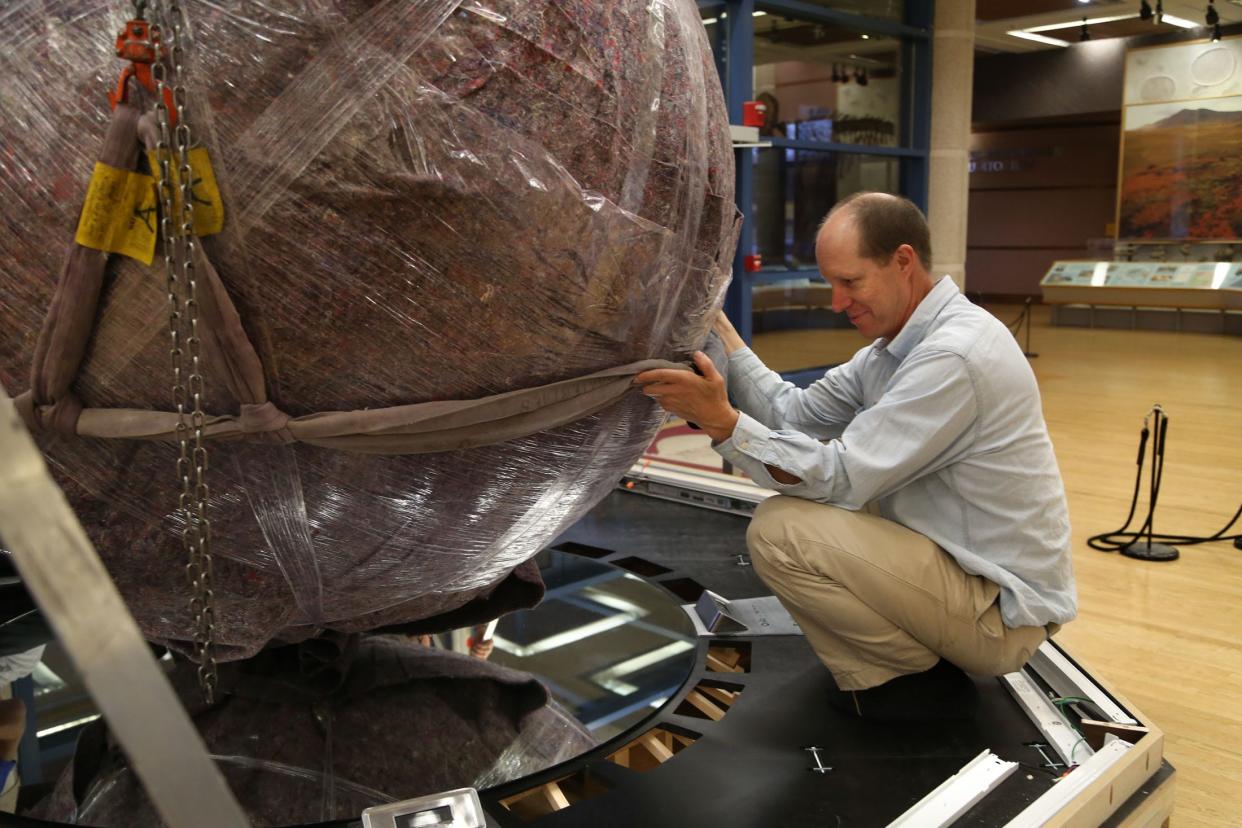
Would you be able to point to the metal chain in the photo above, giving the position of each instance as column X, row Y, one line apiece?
column 180, row 247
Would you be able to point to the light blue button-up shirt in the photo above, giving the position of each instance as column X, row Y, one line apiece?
column 942, row 428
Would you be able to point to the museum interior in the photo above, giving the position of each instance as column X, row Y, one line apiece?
column 497, row 413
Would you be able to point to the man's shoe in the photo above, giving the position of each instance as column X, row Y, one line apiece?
column 942, row 693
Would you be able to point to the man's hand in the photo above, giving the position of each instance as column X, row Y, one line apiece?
column 702, row 400
column 727, row 333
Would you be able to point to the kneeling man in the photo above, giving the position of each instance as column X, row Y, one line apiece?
column 920, row 528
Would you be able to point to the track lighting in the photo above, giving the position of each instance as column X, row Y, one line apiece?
column 1085, row 34
column 1145, row 12
column 1159, row 12
column 1213, row 19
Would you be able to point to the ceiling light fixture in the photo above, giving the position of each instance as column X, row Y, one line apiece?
column 1038, row 38
column 1180, row 22
column 1070, row 23
column 1145, row 12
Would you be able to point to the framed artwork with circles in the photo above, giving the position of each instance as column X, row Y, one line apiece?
column 1180, row 173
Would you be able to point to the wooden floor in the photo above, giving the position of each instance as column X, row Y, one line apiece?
column 1167, row 636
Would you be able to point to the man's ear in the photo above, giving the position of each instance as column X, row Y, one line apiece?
column 905, row 258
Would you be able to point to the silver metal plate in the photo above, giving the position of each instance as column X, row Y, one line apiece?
column 451, row 809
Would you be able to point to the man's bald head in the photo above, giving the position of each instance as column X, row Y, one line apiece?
column 883, row 223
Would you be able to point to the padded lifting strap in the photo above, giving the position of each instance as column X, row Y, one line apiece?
column 421, row 428
column 71, row 317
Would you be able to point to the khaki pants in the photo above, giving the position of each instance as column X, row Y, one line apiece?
column 877, row 600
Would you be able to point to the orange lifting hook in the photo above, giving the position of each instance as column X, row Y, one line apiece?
column 139, row 43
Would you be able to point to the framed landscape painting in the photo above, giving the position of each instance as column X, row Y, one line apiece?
column 1181, row 143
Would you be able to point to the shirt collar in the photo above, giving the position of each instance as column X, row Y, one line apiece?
column 920, row 321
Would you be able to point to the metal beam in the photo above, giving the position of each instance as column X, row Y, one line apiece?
column 739, row 88
column 854, row 22
column 858, row 149
column 65, row 576
column 916, row 86
column 1044, row 810
column 957, row 794
column 1063, row 676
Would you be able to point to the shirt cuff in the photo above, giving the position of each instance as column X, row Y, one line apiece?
column 747, row 442
column 745, row 448
column 750, row 449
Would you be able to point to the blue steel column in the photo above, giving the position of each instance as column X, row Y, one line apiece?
column 739, row 88
column 916, row 65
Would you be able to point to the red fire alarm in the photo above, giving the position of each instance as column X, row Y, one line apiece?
column 752, row 263
column 754, row 113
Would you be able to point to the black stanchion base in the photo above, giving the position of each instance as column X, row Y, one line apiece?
column 1154, row 552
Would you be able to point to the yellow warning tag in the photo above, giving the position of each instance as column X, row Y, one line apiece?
column 119, row 214
column 204, row 192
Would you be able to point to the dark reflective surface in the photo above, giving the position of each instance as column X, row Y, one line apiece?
column 609, row 646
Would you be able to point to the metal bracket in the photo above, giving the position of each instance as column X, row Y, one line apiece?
column 450, row 809
column 820, row 767
column 1049, row 762
column 715, row 613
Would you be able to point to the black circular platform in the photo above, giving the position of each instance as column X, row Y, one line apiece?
column 714, row 731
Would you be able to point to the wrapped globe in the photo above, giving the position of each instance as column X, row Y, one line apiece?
column 423, row 201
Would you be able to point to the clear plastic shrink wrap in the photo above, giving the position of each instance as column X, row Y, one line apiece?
column 425, row 200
